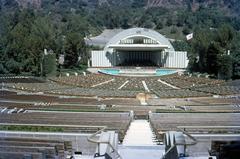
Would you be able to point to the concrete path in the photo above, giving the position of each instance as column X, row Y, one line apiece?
column 169, row 85
column 139, row 133
column 99, row 84
column 123, row 85
column 145, row 86
column 141, row 152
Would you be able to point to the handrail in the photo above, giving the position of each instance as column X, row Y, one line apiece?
column 194, row 140
column 92, row 139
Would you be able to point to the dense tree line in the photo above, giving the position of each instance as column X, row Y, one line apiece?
column 26, row 34
column 60, row 28
column 211, row 51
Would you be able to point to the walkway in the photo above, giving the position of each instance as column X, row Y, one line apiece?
column 141, row 152
column 168, row 84
column 139, row 133
column 99, row 84
column 139, row 142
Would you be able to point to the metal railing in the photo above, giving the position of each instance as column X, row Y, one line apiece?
column 194, row 140
column 94, row 139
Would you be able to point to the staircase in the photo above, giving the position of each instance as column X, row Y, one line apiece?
column 139, row 133
column 140, row 142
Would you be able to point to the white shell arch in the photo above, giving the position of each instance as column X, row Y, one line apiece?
column 143, row 32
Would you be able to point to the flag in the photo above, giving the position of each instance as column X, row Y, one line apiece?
column 189, row 36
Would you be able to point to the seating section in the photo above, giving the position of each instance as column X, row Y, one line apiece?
column 38, row 87
column 112, row 82
column 19, row 148
column 114, row 121
column 83, row 81
column 94, row 92
column 116, row 86
column 170, row 121
column 220, row 89
column 19, row 79
column 180, row 93
column 185, row 81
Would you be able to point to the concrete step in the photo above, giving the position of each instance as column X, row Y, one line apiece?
column 141, row 152
column 139, row 133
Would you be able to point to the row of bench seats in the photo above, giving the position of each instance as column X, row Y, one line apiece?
column 185, row 81
column 94, row 92
column 112, row 82
column 220, row 89
column 180, row 93
column 170, row 121
column 83, row 81
column 114, row 121
column 19, row 79
column 33, row 148
column 37, row 87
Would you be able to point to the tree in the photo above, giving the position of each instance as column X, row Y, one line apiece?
column 169, row 21
column 74, row 48
column 236, row 64
column 186, row 30
column 42, row 37
column 235, row 53
column 50, row 65
column 213, row 52
column 13, row 66
column 224, row 67
column 180, row 45
column 159, row 25
column 198, row 52
column 138, row 3
column 173, row 30
column 225, row 36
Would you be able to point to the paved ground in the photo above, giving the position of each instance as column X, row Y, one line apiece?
column 139, row 133
column 141, row 152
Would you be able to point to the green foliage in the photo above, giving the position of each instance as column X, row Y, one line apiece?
column 214, row 50
column 138, row 3
column 225, row 67
column 159, row 25
column 49, row 65
column 13, row 66
column 31, row 128
column 225, row 35
column 169, row 21
column 2, row 69
column 210, row 52
column 173, row 30
column 186, row 30
column 236, row 65
column 198, row 52
column 235, row 53
column 74, row 48
column 180, row 45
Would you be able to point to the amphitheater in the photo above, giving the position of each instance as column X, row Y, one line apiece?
column 134, row 114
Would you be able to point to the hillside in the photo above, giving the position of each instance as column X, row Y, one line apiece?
column 231, row 6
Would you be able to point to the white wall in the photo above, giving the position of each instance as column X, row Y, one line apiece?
column 102, row 59
column 175, row 59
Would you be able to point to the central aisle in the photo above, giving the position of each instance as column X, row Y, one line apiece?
column 139, row 133
column 140, row 142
